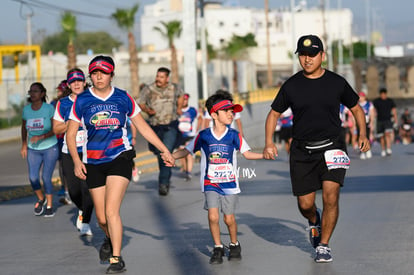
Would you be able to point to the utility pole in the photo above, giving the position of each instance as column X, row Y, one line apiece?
column 269, row 63
column 190, row 49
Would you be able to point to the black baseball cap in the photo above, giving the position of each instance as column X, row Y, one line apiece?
column 310, row 44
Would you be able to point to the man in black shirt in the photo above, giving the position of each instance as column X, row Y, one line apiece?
column 386, row 110
column 318, row 158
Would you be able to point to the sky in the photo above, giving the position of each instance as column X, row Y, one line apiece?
column 392, row 18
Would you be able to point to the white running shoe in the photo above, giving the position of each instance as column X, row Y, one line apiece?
column 85, row 230
column 362, row 156
column 79, row 220
column 389, row 151
column 135, row 174
column 383, row 154
column 369, row 154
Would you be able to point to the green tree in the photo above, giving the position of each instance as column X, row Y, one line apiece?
column 68, row 23
column 170, row 31
column 125, row 19
column 100, row 42
column 236, row 49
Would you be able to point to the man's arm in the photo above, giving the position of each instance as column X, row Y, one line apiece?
column 359, row 115
column 270, row 150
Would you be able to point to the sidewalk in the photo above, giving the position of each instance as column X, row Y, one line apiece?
column 145, row 161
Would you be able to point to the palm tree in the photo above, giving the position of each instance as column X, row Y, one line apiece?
column 125, row 18
column 236, row 49
column 68, row 23
column 170, row 31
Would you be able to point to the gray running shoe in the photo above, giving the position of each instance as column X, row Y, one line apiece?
column 323, row 254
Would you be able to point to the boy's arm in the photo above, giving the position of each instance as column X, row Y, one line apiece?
column 180, row 153
column 252, row 155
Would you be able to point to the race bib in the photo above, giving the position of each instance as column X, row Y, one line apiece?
column 337, row 159
column 80, row 138
column 35, row 124
column 222, row 172
column 185, row 126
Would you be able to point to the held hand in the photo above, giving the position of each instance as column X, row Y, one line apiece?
column 168, row 159
column 150, row 111
column 270, row 151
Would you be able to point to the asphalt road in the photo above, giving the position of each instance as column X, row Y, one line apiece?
column 169, row 235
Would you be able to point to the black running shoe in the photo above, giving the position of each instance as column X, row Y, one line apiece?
column 315, row 230
column 217, row 257
column 106, row 250
column 40, row 207
column 234, row 252
column 117, row 265
column 163, row 189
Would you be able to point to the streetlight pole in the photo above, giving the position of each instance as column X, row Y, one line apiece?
column 292, row 11
column 190, row 63
column 269, row 63
column 203, row 50
column 368, row 26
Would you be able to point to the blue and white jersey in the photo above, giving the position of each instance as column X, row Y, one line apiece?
column 187, row 122
column 105, row 121
column 218, row 166
column 286, row 118
column 367, row 107
column 62, row 112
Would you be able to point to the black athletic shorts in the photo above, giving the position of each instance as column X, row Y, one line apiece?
column 384, row 126
column 120, row 166
column 308, row 167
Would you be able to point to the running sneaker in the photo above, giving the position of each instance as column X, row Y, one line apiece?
column 217, row 257
column 135, row 174
column 389, row 151
column 323, row 254
column 362, row 156
column 234, row 251
column 79, row 220
column 85, row 230
column 117, row 265
column 315, row 230
column 105, row 251
column 188, row 176
column 40, row 207
column 369, row 154
column 49, row 212
column 383, row 154
column 163, row 189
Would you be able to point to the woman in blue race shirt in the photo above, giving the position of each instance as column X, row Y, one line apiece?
column 107, row 153
column 39, row 146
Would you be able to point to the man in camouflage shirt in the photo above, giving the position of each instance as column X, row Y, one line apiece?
column 163, row 101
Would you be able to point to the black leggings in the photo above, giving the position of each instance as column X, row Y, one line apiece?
column 78, row 190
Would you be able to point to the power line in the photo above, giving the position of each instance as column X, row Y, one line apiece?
column 42, row 5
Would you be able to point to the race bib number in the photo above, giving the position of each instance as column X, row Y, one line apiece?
column 337, row 159
column 80, row 138
column 185, row 126
column 35, row 124
column 220, row 173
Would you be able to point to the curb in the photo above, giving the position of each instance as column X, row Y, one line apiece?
column 146, row 162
